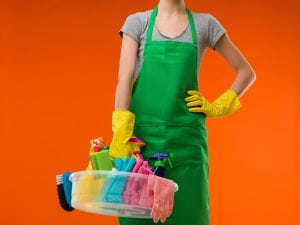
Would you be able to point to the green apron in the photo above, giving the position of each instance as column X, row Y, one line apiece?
column 163, row 121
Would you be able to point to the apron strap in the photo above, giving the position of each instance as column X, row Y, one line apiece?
column 151, row 25
column 192, row 25
column 152, row 21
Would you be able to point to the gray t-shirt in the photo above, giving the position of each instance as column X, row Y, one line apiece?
column 208, row 29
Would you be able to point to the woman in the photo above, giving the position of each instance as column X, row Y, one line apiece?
column 157, row 89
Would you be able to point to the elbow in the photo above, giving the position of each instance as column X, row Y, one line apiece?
column 252, row 75
column 248, row 73
column 249, row 77
column 246, row 76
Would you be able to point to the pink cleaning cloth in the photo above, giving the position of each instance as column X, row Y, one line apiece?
column 135, row 185
column 129, row 185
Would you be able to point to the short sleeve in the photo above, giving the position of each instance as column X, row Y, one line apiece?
column 132, row 26
column 215, row 31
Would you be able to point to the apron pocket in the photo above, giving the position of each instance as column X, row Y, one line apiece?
column 189, row 144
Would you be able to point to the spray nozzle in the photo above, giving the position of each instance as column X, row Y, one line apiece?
column 161, row 158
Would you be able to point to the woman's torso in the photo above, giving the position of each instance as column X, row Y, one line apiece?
column 208, row 30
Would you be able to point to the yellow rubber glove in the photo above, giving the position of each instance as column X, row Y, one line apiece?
column 224, row 105
column 122, row 126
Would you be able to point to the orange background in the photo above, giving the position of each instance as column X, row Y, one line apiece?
column 58, row 72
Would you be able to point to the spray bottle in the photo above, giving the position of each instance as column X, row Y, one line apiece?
column 161, row 158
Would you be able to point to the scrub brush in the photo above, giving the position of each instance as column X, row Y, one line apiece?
column 64, row 189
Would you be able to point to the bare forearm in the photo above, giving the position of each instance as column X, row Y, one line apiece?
column 244, row 79
column 245, row 74
column 123, row 94
column 126, row 72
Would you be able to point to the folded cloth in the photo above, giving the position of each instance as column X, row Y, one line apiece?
column 115, row 185
column 135, row 185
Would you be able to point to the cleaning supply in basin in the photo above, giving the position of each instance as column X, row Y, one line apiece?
column 99, row 155
column 112, row 192
column 64, row 189
column 101, row 160
column 105, row 147
column 160, row 159
column 87, row 186
column 136, row 144
column 96, row 144
column 134, row 187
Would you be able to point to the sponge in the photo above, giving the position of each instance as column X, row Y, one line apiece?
column 101, row 160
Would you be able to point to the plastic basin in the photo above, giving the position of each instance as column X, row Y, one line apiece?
column 115, row 193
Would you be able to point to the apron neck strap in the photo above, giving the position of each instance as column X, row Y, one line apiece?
column 152, row 22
